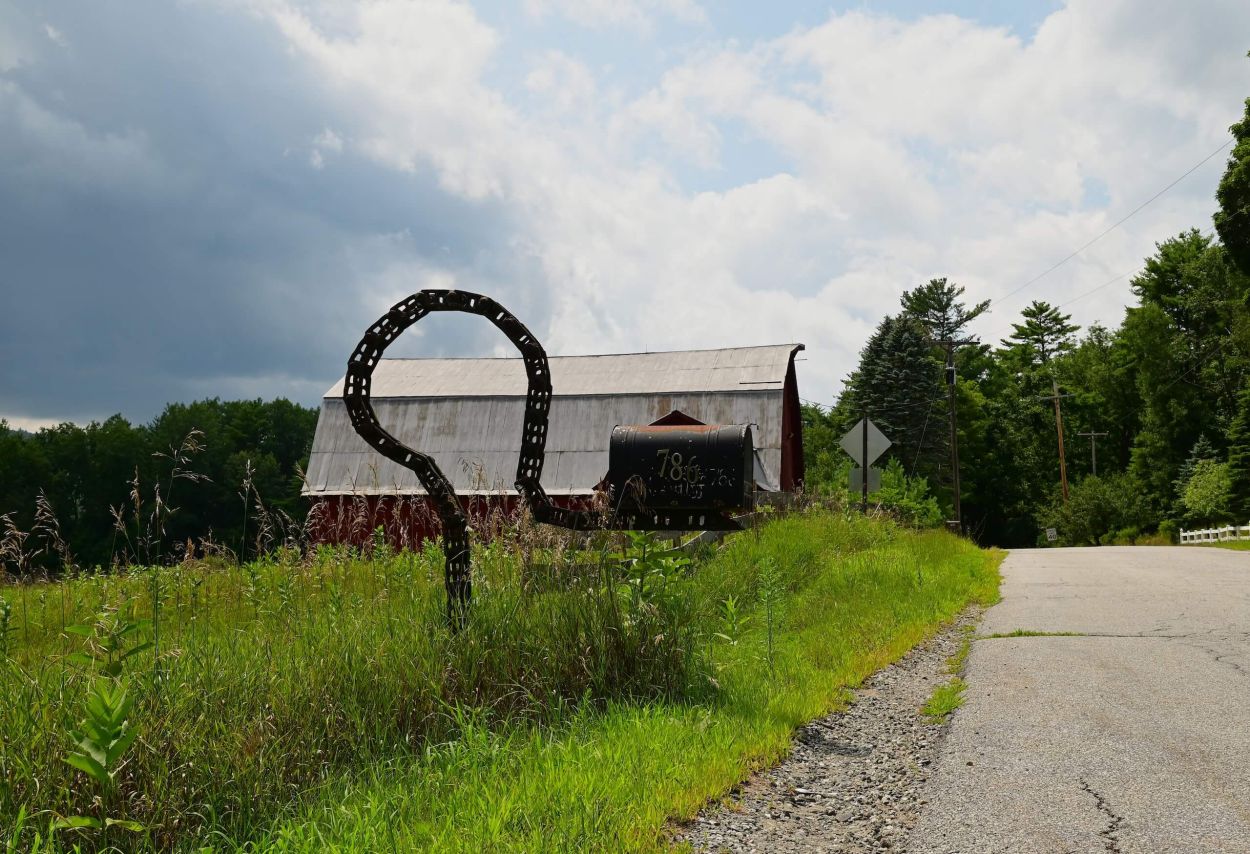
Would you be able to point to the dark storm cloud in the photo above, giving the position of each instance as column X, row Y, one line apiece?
column 164, row 234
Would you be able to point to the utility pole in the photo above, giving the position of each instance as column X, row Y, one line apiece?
column 1093, row 449
column 950, row 345
column 1063, row 466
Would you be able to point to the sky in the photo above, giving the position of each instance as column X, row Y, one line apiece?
column 215, row 198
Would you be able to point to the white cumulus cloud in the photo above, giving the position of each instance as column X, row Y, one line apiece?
column 721, row 193
column 637, row 14
column 910, row 149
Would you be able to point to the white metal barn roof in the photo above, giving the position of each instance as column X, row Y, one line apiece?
column 467, row 414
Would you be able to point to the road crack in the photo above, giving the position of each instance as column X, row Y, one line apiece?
column 1109, row 840
column 1222, row 657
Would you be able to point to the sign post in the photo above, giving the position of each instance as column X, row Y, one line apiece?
column 864, row 443
column 863, row 507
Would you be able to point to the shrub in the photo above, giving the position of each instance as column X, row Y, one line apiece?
column 1127, row 536
column 908, row 498
column 1170, row 530
column 1207, row 493
column 1097, row 507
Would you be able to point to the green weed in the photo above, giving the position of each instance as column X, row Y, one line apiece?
column 7, row 629
column 945, row 699
column 955, row 664
column 1032, row 633
column 103, row 738
column 770, row 593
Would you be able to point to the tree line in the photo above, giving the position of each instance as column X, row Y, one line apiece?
column 213, row 472
column 1167, row 392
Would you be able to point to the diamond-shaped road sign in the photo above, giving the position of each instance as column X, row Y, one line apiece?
column 853, row 443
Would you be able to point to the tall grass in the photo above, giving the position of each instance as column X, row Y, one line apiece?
column 856, row 595
column 303, row 702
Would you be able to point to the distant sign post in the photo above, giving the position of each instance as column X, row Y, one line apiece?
column 864, row 443
column 1051, row 535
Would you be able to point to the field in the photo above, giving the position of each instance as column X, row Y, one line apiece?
column 306, row 703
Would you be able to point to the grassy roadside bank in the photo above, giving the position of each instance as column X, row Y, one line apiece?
column 322, row 706
column 1231, row 545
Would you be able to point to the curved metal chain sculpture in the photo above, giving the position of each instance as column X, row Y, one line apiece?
column 356, row 391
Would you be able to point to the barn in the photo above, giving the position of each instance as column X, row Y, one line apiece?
column 467, row 414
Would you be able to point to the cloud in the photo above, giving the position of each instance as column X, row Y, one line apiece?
column 914, row 148
column 160, row 243
column 635, row 14
column 563, row 83
column 57, row 37
column 226, row 217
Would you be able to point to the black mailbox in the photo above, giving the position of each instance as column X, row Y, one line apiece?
column 682, row 467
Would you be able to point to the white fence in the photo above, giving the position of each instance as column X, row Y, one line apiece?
column 1215, row 535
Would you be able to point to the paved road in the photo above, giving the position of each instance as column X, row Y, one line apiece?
column 1132, row 737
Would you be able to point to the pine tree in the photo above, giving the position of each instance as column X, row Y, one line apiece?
column 1202, row 450
column 1045, row 332
column 938, row 307
column 1239, row 457
column 899, row 384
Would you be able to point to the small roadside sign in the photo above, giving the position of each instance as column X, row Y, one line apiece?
column 857, row 479
column 853, row 443
column 1051, row 535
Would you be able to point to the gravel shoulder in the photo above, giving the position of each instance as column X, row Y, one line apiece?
column 854, row 780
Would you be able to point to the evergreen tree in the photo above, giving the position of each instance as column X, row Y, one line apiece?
column 1045, row 332
column 1202, row 450
column 1206, row 495
column 899, row 384
column 937, row 305
column 1239, row 458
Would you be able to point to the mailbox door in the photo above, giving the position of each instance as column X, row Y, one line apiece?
column 682, row 467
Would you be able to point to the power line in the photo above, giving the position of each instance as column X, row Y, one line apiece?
column 920, row 403
column 891, row 407
column 920, row 447
column 1116, row 225
column 1202, row 362
column 1097, row 289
